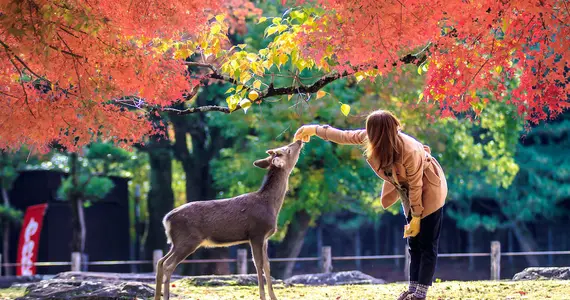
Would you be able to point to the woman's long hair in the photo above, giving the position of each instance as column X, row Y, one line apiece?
column 384, row 144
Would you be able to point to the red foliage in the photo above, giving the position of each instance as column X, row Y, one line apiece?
column 473, row 45
column 87, row 54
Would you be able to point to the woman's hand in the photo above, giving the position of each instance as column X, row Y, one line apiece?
column 304, row 133
column 413, row 228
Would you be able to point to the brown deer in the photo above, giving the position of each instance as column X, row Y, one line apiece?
column 221, row 223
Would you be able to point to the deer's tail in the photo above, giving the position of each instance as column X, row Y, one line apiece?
column 166, row 223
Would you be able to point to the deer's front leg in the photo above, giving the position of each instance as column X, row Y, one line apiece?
column 257, row 251
column 267, row 272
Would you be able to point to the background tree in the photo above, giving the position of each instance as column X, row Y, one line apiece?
column 89, row 181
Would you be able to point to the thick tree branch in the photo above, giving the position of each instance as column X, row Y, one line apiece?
column 271, row 91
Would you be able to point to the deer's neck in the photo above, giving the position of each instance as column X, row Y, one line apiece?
column 274, row 187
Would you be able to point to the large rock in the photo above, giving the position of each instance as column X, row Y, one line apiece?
column 87, row 290
column 543, row 273
column 338, row 278
column 222, row 280
column 8, row 281
column 80, row 276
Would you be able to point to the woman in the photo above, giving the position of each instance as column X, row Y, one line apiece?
column 411, row 174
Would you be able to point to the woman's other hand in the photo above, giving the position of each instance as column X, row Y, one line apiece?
column 304, row 133
column 413, row 228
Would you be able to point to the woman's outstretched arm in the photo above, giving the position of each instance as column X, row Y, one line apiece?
column 328, row 133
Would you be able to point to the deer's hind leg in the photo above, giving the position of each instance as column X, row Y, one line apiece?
column 258, row 258
column 179, row 252
column 160, row 275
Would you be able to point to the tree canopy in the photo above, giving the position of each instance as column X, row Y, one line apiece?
column 77, row 71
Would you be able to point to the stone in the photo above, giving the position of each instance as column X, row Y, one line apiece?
column 15, row 281
column 142, row 277
column 556, row 273
column 337, row 278
column 87, row 290
column 222, row 280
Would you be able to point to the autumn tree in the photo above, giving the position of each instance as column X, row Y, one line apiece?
column 78, row 71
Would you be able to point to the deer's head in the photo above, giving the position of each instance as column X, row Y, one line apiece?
column 284, row 157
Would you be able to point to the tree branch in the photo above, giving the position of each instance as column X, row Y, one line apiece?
column 271, row 91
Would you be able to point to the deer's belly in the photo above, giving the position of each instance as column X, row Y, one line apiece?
column 208, row 243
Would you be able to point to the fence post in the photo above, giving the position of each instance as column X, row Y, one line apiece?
column 157, row 254
column 75, row 261
column 326, row 259
column 495, row 260
column 407, row 260
column 241, row 263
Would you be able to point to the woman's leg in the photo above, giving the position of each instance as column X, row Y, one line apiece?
column 428, row 243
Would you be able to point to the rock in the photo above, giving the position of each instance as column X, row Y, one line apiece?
column 8, row 281
column 543, row 273
column 87, row 290
column 222, row 280
column 338, row 278
column 143, row 277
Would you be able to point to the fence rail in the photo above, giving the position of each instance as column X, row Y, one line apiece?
column 326, row 259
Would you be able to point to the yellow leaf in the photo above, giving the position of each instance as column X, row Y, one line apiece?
column 216, row 28
column 257, row 84
column 220, row 18
column 15, row 77
column 283, row 58
column 282, row 28
column 251, row 57
column 345, row 109
column 359, row 77
column 420, row 97
column 245, row 104
column 239, row 87
column 241, row 46
column 229, row 90
column 277, row 21
column 289, row 97
column 321, row 94
column 261, row 20
column 271, row 30
column 253, row 95
column 420, row 70
column 498, row 69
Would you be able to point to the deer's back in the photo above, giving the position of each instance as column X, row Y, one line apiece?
column 224, row 222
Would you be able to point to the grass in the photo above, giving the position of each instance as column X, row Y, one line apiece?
column 443, row 290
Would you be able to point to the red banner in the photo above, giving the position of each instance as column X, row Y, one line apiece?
column 30, row 239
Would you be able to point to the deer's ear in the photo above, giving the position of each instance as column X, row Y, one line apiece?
column 270, row 151
column 278, row 162
column 262, row 163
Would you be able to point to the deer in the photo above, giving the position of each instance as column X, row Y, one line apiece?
column 248, row 218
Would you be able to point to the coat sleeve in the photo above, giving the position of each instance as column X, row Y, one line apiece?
column 414, row 164
column 344, row 137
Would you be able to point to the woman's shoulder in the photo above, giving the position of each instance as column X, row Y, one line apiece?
column 410, row 143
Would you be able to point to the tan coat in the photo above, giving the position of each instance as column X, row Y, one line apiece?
column 417, row 171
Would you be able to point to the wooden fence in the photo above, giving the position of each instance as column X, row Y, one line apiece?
column 326, row 259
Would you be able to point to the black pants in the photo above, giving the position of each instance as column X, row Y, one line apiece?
column 423, row 248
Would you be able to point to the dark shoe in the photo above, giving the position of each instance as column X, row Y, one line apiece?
column 404, row 295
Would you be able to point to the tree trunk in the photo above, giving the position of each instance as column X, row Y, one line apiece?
column 206, row 143
column 292, row 243
column 526, row 242
column 160, row 196
column 6, row 236
column 357, row 249
column 77, row 215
